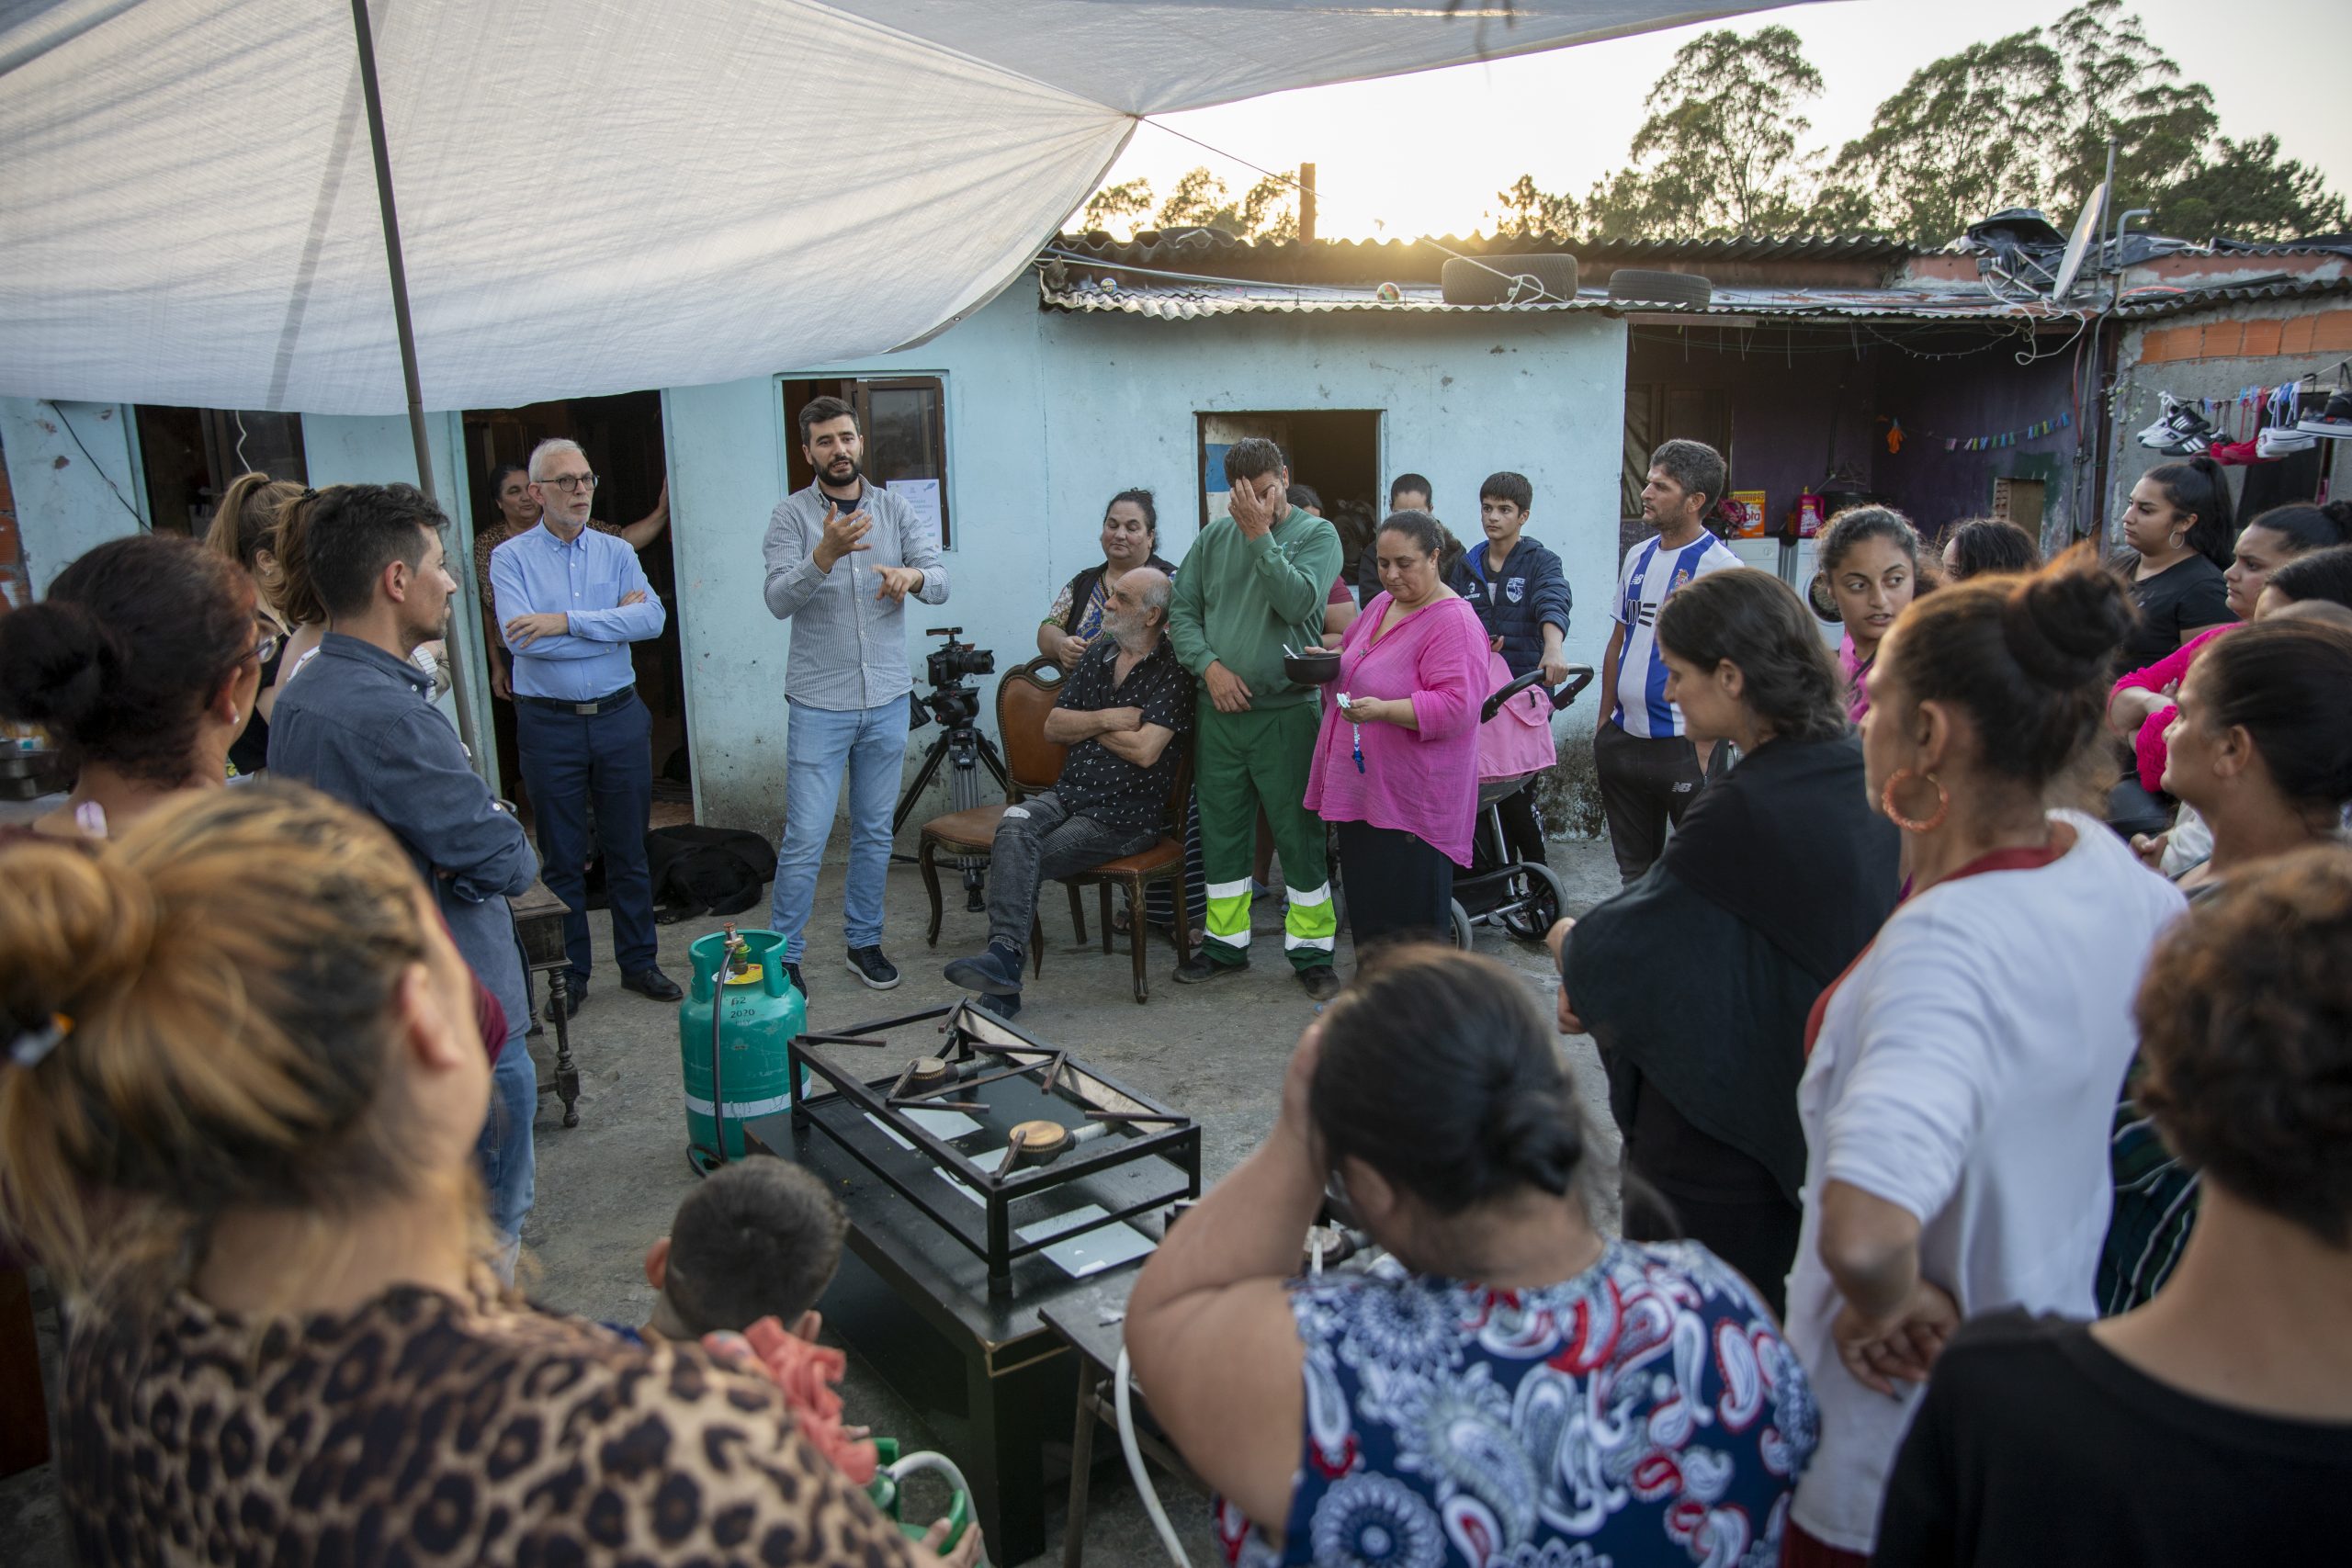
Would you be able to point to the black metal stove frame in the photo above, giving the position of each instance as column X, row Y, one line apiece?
column 1168, row 1135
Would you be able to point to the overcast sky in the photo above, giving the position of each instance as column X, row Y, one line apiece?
column 1425, row 154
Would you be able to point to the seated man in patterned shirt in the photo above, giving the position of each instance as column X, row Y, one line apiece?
column 1125, row 709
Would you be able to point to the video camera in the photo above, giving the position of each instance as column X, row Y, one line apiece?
column 947, row 665
column 954, row 704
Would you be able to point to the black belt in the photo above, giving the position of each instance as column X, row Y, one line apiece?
column 589, row 709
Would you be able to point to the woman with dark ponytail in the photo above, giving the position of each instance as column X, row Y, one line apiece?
column 1961, row 1076
column 2179, row 527
column 1522, row 1387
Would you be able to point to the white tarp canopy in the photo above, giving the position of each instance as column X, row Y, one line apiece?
column 599, row 195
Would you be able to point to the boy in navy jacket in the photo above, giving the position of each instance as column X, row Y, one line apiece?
column 1522, row 598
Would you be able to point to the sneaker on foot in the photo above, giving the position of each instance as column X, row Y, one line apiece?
column 1321, row 983
column 1003, row 1007
column 995, row 972
column 1199, row 969
column 868, row 965
column 792, row 973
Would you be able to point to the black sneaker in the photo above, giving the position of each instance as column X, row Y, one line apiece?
column 1003, row 1007
column 1199, row 970
column 1321, row 983
column 868, row 965
column 792, row 973
column 2335, row 423
column 996, row 972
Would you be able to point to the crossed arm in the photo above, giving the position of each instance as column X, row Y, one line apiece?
column 1122, row 732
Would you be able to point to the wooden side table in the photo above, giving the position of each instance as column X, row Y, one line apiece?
column 538, row 925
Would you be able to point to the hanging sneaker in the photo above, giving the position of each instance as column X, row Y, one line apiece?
column 2278, row 442
column 2179, row 429
column 2335, row 423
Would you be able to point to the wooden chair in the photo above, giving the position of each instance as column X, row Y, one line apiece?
column 1163, row 862
column 1032, row 763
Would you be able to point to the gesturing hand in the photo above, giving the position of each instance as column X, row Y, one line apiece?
column 1902, row 1347
column 896, row 582
column 1227, row 691
column 525, row 630
column 843, row 535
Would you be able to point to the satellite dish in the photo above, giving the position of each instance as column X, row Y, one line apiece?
column 2085, row 227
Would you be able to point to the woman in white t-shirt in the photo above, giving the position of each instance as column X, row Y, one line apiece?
column 1962, row 1075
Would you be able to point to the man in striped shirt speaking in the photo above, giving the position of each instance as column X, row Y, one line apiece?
column 1648, row 770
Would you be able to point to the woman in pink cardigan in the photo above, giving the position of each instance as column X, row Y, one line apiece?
column 1396, row 768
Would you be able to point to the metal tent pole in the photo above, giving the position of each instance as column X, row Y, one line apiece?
column 365, row 31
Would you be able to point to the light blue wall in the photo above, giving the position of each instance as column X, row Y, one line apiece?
column 1050, row 414
column 65, row 501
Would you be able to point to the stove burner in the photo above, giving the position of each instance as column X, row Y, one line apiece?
column 926, row 1072
column 1041, row 1139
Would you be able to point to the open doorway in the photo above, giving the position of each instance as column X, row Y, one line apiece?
column 622, row 437
column 1335, row 452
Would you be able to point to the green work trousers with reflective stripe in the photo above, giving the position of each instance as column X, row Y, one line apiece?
column 1244, row 761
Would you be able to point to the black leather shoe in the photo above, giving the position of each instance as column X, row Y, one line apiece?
column 573, row 995
column 1321, row 983
column 652, row 983
column 1199, row 970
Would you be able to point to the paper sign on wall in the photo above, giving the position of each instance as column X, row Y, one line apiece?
column 923, row 496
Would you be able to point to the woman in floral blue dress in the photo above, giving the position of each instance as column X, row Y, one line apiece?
column 1509, row 1389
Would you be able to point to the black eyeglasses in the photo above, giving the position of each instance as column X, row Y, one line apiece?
column 569, row 481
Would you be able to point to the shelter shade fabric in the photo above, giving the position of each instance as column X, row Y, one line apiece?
column 601, row 195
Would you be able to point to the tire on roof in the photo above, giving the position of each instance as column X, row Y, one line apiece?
column 1505, row 280
column 1660, row 287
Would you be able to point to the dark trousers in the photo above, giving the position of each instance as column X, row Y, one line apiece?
column 1039, row 839
column 1398, row 885
column 1522, row 826
column 568, row 759
column 1645, row 784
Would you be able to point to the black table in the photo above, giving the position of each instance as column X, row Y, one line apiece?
column 1080, row 1322
column 915, row 1303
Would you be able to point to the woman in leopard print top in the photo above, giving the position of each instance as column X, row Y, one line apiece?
column 239, row 1127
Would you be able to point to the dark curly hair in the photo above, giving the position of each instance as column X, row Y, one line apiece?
column 1757, row 621
column 2027, row 659
column 119, row 660
column 2246, row 1027
column 1438, row 1071
column 1991, row 544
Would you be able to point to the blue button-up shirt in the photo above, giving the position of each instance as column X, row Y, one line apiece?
column 360, row 724
column 848, row 648
column 537, row 573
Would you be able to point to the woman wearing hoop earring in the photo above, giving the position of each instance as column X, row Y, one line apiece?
column 1961, row 1074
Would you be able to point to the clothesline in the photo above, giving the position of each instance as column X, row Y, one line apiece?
column 1897, row 433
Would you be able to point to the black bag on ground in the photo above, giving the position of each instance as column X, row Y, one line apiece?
column 707, row 871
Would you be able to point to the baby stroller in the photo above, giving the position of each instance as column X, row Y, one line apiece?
column 1514, row 745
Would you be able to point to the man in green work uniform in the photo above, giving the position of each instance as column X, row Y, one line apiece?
column 1251, row 584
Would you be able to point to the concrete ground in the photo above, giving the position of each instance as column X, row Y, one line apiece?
column 610, row 1186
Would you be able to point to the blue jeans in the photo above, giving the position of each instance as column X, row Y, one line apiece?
column 503, row 1152
column 872, row 743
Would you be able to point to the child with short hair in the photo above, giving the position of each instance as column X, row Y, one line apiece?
column 1523, row 599
column 748, row 1255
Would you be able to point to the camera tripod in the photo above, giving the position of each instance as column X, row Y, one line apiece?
column 966, row 750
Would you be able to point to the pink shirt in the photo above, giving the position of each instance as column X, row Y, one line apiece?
column 1423, row 782
column 1854, row 667
column 2148, row 749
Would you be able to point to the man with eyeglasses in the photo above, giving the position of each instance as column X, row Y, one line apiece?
column 569, row 599
column 842, row 557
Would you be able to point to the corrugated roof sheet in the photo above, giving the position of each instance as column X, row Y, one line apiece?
column 1418, row 260
column 1181, row 301
column 1079, row 289
column 2146, row 303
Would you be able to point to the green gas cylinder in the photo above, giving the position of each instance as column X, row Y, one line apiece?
column 759, row 1014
